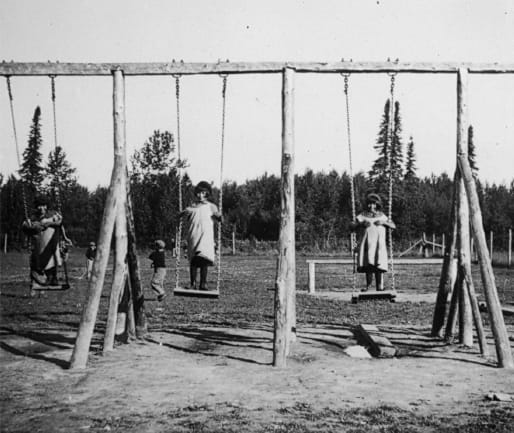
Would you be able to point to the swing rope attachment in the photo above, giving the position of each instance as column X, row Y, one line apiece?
column 57, row 188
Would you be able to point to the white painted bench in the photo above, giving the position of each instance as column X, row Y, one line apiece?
column 313, row 262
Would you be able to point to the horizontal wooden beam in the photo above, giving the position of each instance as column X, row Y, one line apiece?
column 226, row 67
column 397, row 261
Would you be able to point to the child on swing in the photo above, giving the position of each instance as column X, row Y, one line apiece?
column 372, row 257
column 200, row 218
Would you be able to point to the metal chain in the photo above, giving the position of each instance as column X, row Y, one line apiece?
column 178, row 239
column 220, row 202
column 390, row 138
column 11, row 103
column 353, row 240
column 57, row 188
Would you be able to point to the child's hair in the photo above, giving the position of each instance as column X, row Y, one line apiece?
column 203, row 186
column 374, row 198
column 159, row 243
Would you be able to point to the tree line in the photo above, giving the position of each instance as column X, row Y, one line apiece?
column 251, row 210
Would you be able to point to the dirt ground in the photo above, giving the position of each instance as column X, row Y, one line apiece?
column 205, row 365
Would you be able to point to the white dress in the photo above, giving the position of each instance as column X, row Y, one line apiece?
column 373, row 246
column 200, row 230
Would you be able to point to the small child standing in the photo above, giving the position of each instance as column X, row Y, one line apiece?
column 159, row 269
column 200, row 219
column 90, row 258
column 372, row 259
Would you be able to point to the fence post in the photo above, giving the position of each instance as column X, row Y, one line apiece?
column 509, row 249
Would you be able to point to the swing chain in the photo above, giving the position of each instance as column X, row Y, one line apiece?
column 353, row 237
column 220, row 202
column 178, row 237
column 390, row 139
column 15, row 134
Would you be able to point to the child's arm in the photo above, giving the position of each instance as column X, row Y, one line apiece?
column 388, row 223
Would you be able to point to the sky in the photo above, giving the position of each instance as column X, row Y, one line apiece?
column 253, row 31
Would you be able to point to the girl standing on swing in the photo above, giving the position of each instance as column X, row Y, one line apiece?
column 372, row 258
column 200, row 217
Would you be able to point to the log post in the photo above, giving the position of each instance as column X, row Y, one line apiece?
column 285, row 281
column 499, row 330
column 5, row 243
column 120, row 254
column 234, row 241
column 509, row 249
column 445, row 286
column 491, row 244
column 136, row 287
column 89, row 313
column 464, row 259
column 477, row 318
column 443, row 246
column 451, row 322
column 465, row 317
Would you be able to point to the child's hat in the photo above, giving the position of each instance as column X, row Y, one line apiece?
column 203, row 186
column 92, row 244
column 374, row 198
column 159, row 243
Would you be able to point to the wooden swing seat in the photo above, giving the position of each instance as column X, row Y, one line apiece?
column 184, row 291
column 372, row 295
column 43, row 287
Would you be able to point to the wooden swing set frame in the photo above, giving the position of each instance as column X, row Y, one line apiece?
column 118, row 208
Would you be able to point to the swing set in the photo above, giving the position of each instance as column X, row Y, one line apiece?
column 466, row 205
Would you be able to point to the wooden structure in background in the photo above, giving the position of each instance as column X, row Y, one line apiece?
column 285, row 321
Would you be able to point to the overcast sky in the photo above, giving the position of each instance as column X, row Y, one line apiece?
column 272, row 30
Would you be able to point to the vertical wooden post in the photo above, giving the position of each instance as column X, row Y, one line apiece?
column 509, row 249
column 312, row 277
column 433, row 244
column 445, row 280
column 465, row 315
column 89, row 313
column 5, row 243
column 477, row 318
column 136, row 287
column 118, row 281
column 443, row 246
column 499, row 330
column 285, row 282
column 234, row 241
column 491, row 245
column 464, row 260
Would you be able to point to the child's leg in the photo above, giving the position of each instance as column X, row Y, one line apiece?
column 369, row 280
column 203, row 277
column 192, row 274
column 379, row 279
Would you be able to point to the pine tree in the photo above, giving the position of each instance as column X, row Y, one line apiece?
column 385, row 146
column 472, row 152
column 32, row 171
column 60, row 176
column 410, row 164
column 155, row 157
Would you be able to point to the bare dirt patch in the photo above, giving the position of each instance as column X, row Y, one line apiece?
column 205, row 364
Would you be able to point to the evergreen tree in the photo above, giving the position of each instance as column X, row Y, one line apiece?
column 388, row 147
column 155, row 157
column 60, row 173
column 472, row 152
column 410, row 164
column 32, row 171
